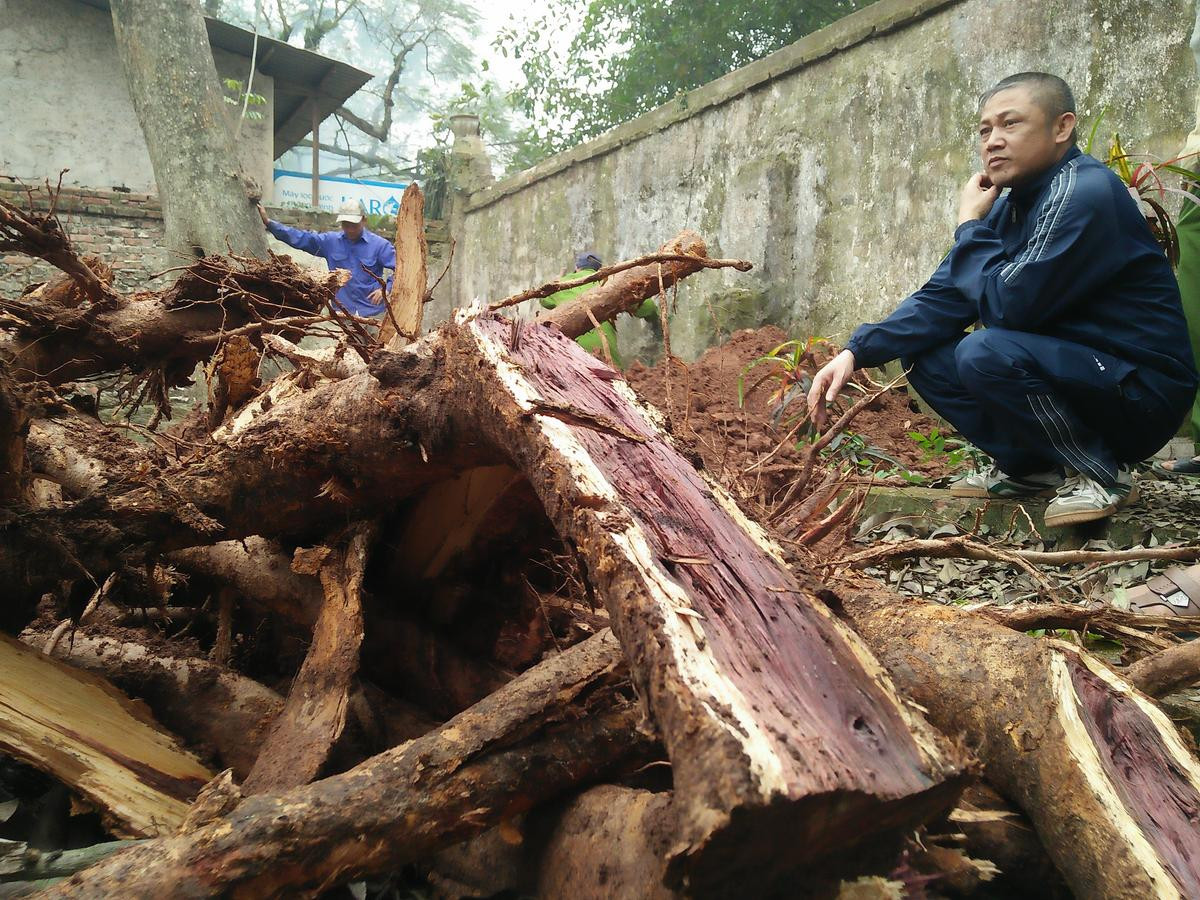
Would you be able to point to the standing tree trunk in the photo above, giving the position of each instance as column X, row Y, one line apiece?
column 164, row 50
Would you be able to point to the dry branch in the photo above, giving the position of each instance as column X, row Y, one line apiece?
column 545, row 732
column 315, row 712
column 42, row 236
column 966, row 547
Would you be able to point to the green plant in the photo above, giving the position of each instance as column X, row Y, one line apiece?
column 951, row 451
column 236, row 95
column 787, row 366
column 853, row 449
column 1143, row 174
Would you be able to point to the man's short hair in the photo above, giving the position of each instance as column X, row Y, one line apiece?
column 1049, row 92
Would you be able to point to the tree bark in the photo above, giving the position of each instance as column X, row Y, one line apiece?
column 208, row 705
column 1167, row 671
column 315, row 712
column 164, row 50
column 724, row 645
column 1101, row 772
column 547, row 731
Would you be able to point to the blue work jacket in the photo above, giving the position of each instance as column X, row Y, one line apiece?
column 339, row 252
column 1068, row 255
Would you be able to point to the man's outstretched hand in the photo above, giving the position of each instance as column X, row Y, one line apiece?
column 262, row 214
column 826, row 383
column 978, row 196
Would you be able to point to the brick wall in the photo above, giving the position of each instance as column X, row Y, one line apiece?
column 126, row 231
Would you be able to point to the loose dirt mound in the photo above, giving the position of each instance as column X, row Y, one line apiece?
column 703, row 408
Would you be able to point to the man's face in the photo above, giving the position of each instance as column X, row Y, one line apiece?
column 352, row 230
column 1017, row 141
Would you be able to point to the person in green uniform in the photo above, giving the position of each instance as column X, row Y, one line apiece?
column 588, row 263
column 1187, row 224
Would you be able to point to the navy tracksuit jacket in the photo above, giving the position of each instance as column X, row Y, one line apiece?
column 1084, row 361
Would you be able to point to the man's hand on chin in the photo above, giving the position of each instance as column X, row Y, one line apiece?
column 978, row 195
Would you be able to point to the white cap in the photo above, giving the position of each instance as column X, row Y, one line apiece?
column 350, row 211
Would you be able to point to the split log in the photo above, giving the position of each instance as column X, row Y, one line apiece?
column 725, row 646
column 315, row 712
column 87, row 734
column 209, row 705
column 1101, row 772
column 545, row 732
column 1167, row 671
column 406, row 300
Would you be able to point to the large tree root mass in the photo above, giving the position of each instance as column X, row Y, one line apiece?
column 405, row 531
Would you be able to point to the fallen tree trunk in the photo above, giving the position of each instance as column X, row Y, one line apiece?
column 1101, row 772
column 724, row 645
column 205, row 703
column 550, row 729
column 82, row 731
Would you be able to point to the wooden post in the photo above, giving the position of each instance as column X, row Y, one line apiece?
column 316, row 155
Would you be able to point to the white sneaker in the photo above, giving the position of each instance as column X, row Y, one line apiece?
column 993, row 483
column 1083, row 499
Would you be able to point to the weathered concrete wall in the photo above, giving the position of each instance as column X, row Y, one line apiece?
column 64, row 103
column 834, row 164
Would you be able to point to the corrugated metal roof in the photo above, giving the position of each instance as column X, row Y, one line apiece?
column 300, row 77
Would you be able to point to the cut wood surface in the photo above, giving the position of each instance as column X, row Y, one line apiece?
column 84, row 732
column 564, row 722
column 315, row 711
column 406, row 300
column 1100, row 771
column 206, row 704
column 786, row 739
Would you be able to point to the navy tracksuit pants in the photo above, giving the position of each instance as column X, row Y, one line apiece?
column 1033, row 402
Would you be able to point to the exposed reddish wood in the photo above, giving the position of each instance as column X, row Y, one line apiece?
column 406, row 300
column 724, row 644
column 1101, row 772
column 1167, row 671
column 315, row 712
column 545, row 732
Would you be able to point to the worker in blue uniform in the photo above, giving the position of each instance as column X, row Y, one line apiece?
column 1083, row 366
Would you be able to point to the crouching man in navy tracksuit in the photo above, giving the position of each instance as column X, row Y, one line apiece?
column 1084, row 365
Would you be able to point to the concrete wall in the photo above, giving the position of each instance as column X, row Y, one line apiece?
column 834, row 164
column 64, row 103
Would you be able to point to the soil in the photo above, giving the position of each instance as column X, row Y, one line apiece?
column 703, row 410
